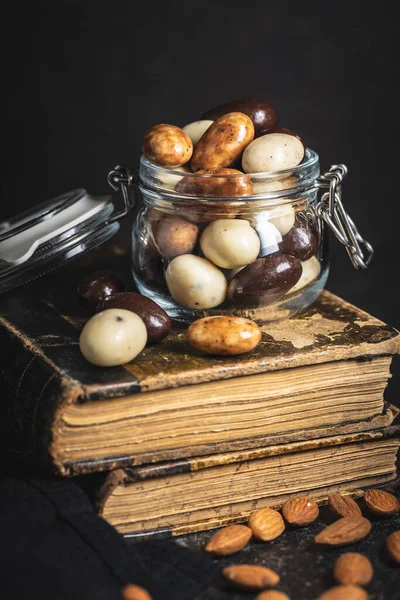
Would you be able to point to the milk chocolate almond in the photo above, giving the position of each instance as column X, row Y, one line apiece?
column 224, row 335
column 210, row 183
column 173, row 235
column 223, row 143
column 167, row 145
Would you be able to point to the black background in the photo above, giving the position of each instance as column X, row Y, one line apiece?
column 84, row 80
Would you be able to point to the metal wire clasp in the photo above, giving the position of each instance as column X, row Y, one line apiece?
column 330, row 209
column 122, row 178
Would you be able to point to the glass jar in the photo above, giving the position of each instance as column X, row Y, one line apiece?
column 251, row 245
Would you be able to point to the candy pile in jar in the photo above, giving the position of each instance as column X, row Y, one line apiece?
column 216, row 254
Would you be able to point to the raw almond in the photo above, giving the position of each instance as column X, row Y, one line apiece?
column 272, row 595
column 301, row 510
column 266, row 524
column 381, row 503
column 134, row 592
column 354, row 568
column 346, row 530
column 393, row 545
column 250, row 577
column 229, row 540
column 343, row 506
column 344, row 592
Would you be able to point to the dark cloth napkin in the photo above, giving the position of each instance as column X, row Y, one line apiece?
column 54, row 547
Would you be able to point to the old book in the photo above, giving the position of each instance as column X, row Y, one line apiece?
column 322, row 373
column 206, row 492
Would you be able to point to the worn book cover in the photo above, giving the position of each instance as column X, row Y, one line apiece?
column 171, row 401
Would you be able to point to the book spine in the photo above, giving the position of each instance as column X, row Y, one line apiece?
column 31, row 393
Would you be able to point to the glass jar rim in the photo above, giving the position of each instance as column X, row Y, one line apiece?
column 311, row 159
column 281, row 186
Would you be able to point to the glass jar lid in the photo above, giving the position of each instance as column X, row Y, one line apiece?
column 46, row 236
column 52, row 233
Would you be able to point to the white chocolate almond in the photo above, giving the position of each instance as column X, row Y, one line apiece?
column 168, row 180
column 283, row 218
column 311, row 270
column 195, row 282
column 113, row 337
column 196, row 129
column 230, row 243
column 273, row 152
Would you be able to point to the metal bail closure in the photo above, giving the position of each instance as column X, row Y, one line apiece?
column 330, row 209
column 122, row 178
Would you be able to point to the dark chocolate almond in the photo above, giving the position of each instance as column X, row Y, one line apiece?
column 156, row 320
column 97, row 285
column 301, row 240
column 265, row 280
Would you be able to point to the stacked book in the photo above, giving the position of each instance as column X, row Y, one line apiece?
column 177, row 441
